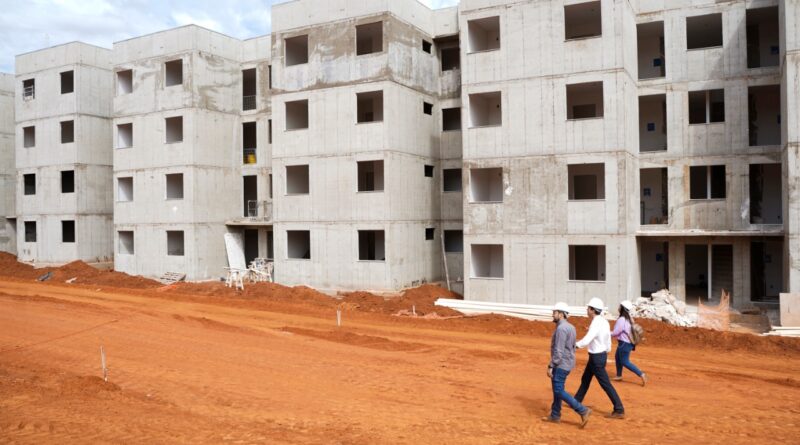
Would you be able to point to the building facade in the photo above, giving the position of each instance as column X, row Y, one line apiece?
column 8, row 170
column 525, row 151
column 63, row 132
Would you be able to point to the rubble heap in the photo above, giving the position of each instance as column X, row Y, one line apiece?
column 665, row 307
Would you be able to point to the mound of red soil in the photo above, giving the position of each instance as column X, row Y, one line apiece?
column 10, row 267
column 420, row 300
column 86, row 274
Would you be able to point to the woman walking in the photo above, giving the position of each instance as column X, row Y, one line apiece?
column 622, row 332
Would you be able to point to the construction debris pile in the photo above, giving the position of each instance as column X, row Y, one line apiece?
column 663, row 306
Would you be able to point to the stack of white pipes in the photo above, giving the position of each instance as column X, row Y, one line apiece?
column 785, row 331
column 526, row 311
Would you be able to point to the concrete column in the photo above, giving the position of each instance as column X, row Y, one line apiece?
column 677, row 269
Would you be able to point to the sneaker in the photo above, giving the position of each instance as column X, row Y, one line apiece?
column 644, row 379
column 617, row 378
column 551, row 419
column 585, row 417
column 616, row 415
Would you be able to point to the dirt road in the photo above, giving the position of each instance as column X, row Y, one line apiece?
column 184, row 370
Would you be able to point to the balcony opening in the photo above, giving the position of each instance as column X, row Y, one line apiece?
column 585, row 100
column 249, row 89
column 484, row 34
column 427, row 46
column 706, row 106
column 124, row 82
column 370, row 176
column 369, row 107
column 371, row 245
column 704, row 31
column 67, row 82
column 707, row 182
column 175, row 243
column 174, row 131
column 29, row 137
column 173, row 72
column 297, row 115
column 297, row 180
column 451, row 119
column 487, row 260
column 451, row 180
column 369, row 38
column 125, row 242
column 250, row 245
column 485, row 110
column 653, row 196
column 30, row 231
column 249, row 142
column 486, row 185
column 67, row 231
column 587, row 263
column 68, row 181
column 28, row 89
column 449, row 53
column 428, row 170
column 250, row 195
column 650, row 50
column 708, row 270
column 766, row 268
column 298, row 244
column 125, row 189
column 124, row 135
column 764, row 115
column 654, row 266
column 454, row 241
column 763, row 39
column 174, row 185
column 653, row 123
column 67, row 132
column 430, row 233
column 427, row 108
column 29, row 182
column 296, row 50
column 586, row 181
column 582, row 21
column 766, row 194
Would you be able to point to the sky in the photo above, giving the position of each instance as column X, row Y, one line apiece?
column 28, row 25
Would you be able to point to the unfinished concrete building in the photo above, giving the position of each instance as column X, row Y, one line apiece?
column 63, row 156
column 540, row 150
column 8, row 171
column 357, row 100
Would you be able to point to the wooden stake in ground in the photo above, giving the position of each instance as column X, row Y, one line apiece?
column 338, row 317
column 103, row 362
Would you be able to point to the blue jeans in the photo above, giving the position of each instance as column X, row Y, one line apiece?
column 622, row 358
column 559, row 394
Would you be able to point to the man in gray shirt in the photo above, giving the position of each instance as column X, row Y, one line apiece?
column 562, row 360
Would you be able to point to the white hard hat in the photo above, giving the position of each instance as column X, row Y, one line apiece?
column 561, row 306
column 596, row 303
column 627, row 305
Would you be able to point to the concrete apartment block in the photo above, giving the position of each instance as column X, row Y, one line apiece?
column 543, row 151
column 178, row 113
column 63, row 156
column 8, row 172
column 357, row 154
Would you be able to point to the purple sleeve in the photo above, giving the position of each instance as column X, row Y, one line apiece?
column 619, row 327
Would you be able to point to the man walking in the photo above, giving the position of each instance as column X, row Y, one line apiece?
column 562, row 360
column 598, row 340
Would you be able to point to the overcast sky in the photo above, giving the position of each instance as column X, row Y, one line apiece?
column 27, row 25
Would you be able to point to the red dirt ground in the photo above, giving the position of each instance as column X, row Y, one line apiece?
column 202, row 363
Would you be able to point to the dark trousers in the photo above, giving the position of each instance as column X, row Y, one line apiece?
column 596, row 367
column 561, row 395
column 623, row 358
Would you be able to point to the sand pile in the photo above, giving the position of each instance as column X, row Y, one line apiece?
column 663, row 306
column 78, row 272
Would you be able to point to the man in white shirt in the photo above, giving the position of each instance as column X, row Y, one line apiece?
column 598, row 343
